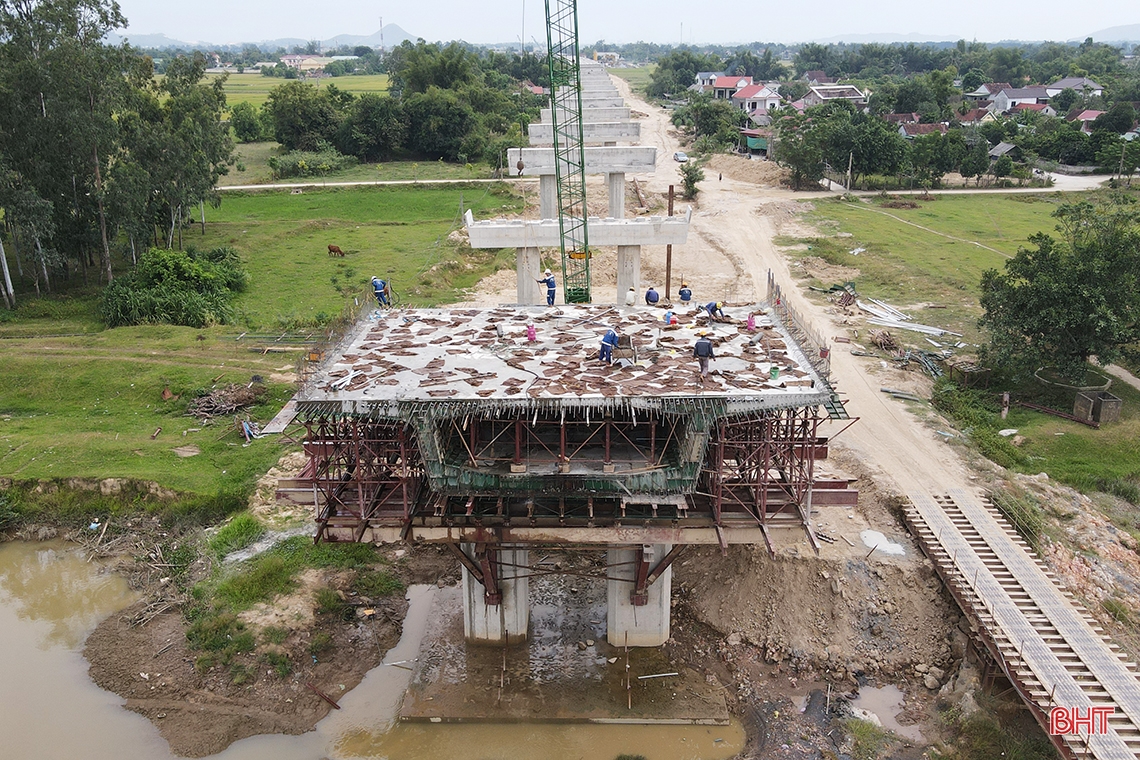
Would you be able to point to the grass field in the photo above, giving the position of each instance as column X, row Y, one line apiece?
column 254, row 169
column 254, row 88
column 908, row 266
column 77, row 400
column 638, row 78
column 934, row 254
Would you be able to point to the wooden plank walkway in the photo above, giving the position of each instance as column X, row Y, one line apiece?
column 1049, row 647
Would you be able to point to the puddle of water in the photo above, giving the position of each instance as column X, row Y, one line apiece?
column 50, row 599
column 886, row 703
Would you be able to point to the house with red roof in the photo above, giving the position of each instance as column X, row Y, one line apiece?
column 1085, row 118
column 1041, row 108
column 755, row 97
column 726, row 86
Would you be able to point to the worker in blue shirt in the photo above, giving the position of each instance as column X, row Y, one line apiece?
column 686, row 293
column 551, row 284
column 609, row 340
column 715, row 310
column 380, row 290
column 651, row 297
column 703, row 352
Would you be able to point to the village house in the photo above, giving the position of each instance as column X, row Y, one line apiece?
column 1041, row 108
column 821, row 94
column 911, row 131
column 901, row 118
column 976, row 116
column 1006, row 99
column 1083, row 85
column 1085, row 119
column 988, row 90
column 726, row 86
column 755, row 97
column 706, row 80
column 817, row 77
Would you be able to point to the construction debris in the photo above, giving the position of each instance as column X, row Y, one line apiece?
column 883, row 340
column 225, row 400
column 885, row 315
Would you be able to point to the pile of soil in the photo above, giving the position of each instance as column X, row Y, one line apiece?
column 758, row 172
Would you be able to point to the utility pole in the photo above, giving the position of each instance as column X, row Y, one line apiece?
column 850, row 160
column 381, row 35
column 669, row 254
column 522, row 31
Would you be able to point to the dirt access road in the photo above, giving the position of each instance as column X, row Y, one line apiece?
column 731, row 240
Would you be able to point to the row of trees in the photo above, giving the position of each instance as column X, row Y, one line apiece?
column 444, row 102
column 92, row 148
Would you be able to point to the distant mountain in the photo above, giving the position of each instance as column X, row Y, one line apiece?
column 393, row 36
column 883, row 37
column 1129, row 33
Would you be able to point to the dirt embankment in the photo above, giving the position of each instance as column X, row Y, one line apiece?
column 202, row 704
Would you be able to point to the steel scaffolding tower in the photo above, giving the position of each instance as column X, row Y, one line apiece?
column 570, row 157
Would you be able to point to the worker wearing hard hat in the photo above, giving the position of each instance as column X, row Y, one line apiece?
column 703, row 352
column 715, row 309
column 685, row 293
column 609, row 341
column 551, row 285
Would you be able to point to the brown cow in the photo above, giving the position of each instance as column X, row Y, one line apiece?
column 334, row 250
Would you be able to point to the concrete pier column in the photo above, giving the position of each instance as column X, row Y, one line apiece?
column 615, row 185
column 528, row 267
column 639, row 626
column 508, row 621
column 628, row 272
column 547, row 197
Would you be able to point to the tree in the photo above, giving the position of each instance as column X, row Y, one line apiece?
column 1068, row 299
column 1002, row 167
column 303, row 116
column 691, row 174
column 1118, row 119
column 373, row 129
column 798, row 149
column 976, row 161
column 438, row 123
column 246, row 123
column 1064, row 100
column 677, row 70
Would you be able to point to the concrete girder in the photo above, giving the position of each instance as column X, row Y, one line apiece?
column 590, row 115
column 606, row 100
column 544, row 233
column 621, row 159
column 593, row 133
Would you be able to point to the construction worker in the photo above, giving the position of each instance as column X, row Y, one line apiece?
column 551, row 285
column 715, row 309
column 380, row 290
column 703, row 352
column 630, row 297
column 685, row 293
column 651, row 297
column 609, row 341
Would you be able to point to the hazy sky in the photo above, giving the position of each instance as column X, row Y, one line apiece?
column 481, row 21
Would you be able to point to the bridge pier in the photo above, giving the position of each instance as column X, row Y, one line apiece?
column 628, row 272
column 528, row 267
column 637, row 611
column 496, row 610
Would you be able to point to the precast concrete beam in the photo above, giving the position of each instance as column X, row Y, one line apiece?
column 528, row 267
column 544, row 233
column 508, row 621
column 602, row 101
column 628, row 272
column 593, row 133
column 621, row 159
column 627, row 623
column 589, row 115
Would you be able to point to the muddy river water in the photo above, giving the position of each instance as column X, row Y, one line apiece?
column 50, row 599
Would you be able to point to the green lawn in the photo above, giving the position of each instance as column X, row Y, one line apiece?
column 400, row 233
column 254, row 88
column 638, row 78
column 907, row 266
column 254, row 169
column 77, row 400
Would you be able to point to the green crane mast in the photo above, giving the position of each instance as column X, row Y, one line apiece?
column 569, row 152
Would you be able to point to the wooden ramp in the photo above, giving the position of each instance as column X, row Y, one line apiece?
column 1047, row 645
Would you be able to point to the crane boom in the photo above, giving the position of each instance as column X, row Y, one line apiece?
column 569, row 152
